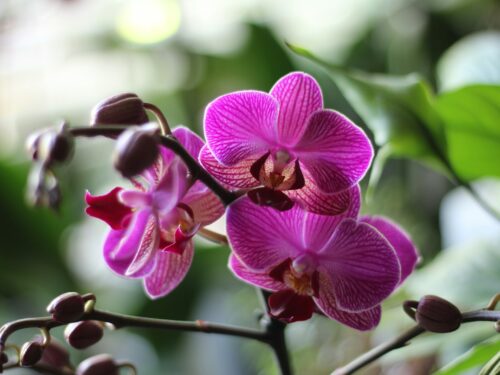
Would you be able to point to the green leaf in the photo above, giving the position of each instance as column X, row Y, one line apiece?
column 475, row 357
column 471, row 118
column 397, row 109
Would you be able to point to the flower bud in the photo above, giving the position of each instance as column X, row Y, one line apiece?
column 81, row 335
column 52, row 146
column 102, row 364
column 436, row 314
column 67, row 308
column 136, row 149
column 55, row 355
column 122, row 109
column 269, row 197
column 31, row 352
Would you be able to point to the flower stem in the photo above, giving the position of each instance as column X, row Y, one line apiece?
column 162, row 120
column 402, row 340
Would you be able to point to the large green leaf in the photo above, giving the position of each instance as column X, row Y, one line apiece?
column 471, row 116
column 397, row 109
column 475, row 357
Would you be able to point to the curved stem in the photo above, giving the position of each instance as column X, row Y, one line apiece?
column 165, row 127
column 402, row 340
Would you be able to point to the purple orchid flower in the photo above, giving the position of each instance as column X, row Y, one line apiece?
column 286, row 142
column 338, row 265
column 152, row 226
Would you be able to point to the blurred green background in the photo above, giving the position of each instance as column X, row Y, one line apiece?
column 60, row 57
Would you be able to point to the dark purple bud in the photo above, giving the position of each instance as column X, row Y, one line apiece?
column 102, row 364
column 269, row 197
column 67, row 308
column 53, row 146
column 55, row 355
column 81, row 335
column 122, row 109
column 436, row 314
column 31, row 352
column 136, row 149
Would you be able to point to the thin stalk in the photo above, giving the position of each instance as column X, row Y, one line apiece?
column 402, row 340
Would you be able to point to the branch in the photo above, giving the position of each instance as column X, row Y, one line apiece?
column 121, row 321
column 402, row 340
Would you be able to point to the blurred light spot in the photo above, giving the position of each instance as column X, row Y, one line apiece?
column 148, row 21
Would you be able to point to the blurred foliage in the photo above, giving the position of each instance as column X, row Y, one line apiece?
column 452, row 46
column 474, row 358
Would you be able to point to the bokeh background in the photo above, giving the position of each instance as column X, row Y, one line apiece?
column 60, row 57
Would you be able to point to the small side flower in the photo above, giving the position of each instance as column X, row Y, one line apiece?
column 153, row 224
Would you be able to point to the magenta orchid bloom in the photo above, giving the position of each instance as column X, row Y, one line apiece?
column 286, row 142
column 152, row 226
column 342, row 266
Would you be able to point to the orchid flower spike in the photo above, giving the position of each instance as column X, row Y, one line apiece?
column 287, row 146
column 339, row 265
column 153, row 224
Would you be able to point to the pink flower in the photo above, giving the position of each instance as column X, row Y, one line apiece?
column 152, row 226
column 343, row 266
column 286, row 142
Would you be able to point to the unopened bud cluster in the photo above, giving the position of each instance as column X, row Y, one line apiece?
column 48, row 148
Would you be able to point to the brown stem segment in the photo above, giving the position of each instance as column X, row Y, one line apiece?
column 272, row 334
column 402, row 340
column 165, row 127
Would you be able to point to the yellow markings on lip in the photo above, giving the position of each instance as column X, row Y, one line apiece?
column 301, row 284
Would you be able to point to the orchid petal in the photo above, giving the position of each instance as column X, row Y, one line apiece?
column 298, row 95
column 206, row 206
column 312, row 199
column 363, row 320
column 135, row 198
column 191, row 141
column 319, row 229
column 362, row 265
column 400, row 241
column 334, row 151
column 237, row 175
column 288, row 306
column 143, row 236
column 169, row 271
column 260, row 279
column 240, row 125
column 262, row 237
column 171, row 187
column 108, row 208
column 122, row 246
